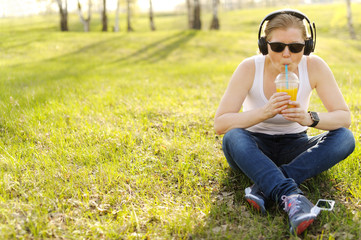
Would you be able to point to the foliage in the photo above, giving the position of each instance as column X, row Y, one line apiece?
column 110, row 135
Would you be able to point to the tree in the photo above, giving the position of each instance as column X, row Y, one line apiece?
column 190, row 14
column 104, row 17
column 85, row 21
column 215, row 20
column 63, row 11
column 197, row 24
column 116, row 27
column 151, row 20
column 349, row 20
column 130, row 29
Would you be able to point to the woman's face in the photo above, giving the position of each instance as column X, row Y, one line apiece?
column 280, row 59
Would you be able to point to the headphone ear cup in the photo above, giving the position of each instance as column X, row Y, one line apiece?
column 308, row 47
column 262, row 45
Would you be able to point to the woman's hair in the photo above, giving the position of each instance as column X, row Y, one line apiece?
column 285, row 21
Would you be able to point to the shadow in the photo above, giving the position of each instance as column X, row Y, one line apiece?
column 21, row 25
column 231, row 217
column 158, row 50
column 67, row 59
column 31, row 29
column 24, row 37
column 54, row 73
column 93, row 48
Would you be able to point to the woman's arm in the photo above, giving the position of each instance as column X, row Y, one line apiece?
column 321, row 78
column 228, row 115
column 338, row 114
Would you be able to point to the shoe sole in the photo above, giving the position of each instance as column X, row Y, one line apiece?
column 255, row 205
column 303, row 225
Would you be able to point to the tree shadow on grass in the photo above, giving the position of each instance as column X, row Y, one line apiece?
column 158, row 50
column 59, row 70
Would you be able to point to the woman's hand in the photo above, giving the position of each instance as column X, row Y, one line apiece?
column 296, row 114
column 277, row 103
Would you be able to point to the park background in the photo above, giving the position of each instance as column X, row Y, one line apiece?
column 109, row 135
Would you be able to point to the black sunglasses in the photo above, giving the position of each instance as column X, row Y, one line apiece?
column 293, row 47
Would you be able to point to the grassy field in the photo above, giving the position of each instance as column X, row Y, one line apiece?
column 110, row 135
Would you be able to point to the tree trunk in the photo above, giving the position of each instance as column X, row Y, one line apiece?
column 151, row 20
column 104, row 17
column 64, row 21
column 349, row 20
column 239, row 4
column 130, row 29
column 215, row 20
column 85, row 21
column 197, row 24
column 116, row 27
column 190, row 14
column 63, row 11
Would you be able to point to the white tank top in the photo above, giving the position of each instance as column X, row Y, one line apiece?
column 256, row 99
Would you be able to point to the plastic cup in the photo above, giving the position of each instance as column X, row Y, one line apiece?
column 288, row 84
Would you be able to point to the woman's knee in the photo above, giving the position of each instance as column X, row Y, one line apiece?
column 238, row 142
column 346, row 138
column 346, row 135
column 229, row 146
column 235, row 133
column 233, row 136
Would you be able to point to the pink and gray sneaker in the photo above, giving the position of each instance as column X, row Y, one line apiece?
column 301, row 212
column 256, row 198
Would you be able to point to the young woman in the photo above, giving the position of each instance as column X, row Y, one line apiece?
column 267, row 140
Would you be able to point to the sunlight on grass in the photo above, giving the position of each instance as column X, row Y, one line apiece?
column 110, row 135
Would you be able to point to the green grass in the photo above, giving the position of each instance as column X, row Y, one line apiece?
column 110, row 135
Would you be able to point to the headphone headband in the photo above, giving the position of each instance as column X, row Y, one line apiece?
column 298, row 14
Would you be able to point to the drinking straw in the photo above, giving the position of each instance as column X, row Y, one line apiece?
column 286, row 70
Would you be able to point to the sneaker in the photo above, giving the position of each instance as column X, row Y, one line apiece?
column 256, row 198
column 300, row 212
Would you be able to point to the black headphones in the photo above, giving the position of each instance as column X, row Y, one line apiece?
column 309, row 43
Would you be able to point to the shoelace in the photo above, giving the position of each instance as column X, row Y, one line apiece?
column 292, row 206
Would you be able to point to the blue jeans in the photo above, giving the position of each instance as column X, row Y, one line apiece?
column 278, row 164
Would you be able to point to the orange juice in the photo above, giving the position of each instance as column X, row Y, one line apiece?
column 291, row 91
column 288, row 83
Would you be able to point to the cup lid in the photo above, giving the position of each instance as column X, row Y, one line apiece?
column 292, row 77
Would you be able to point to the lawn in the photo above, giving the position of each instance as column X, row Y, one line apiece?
column 110, row 135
